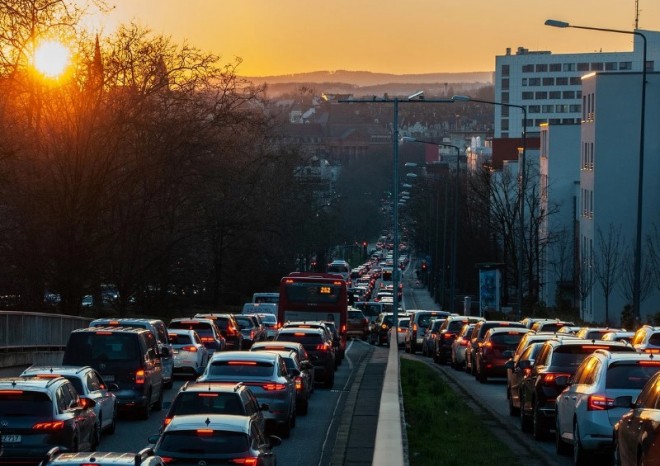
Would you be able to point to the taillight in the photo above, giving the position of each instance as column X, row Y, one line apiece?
column 166, row 421
column 599, row 403
column 462, row 342
column 192, row 349
column 167, row 459
column 322, row 347
column 273, row 386
column 139, row 377
column 52, row 425
column 549, row 378
column 246, row 461
column 383, row 326
column 251, row 334
column 447, row 336
column 402, row 330
column 299, row 383
column 414, row 327
column 207, row 339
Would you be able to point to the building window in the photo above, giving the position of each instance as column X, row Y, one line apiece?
column 540, row 121
column 575, row 81
column 505, row 124
column 528, row 68
column 562, row 108
column 578, row 94
column 541, row 95
column 591, row 156
column 583, row 66
column 524, row 82
column 610, row 66
column 562, row 81
column 505, row 111
column 534, row 81
column 569, row 94
column 527, row 95
column 575, row 108
column 534, row 109
column 541, row 68
column 505, row 70
column 504, row 97
column 548, row 81
column 548, row 108
column 625, row 66
column 568, row 66
column 555, row 66
column 597, row 66
column 554, row 95
column 554, row 121
column 505, row 84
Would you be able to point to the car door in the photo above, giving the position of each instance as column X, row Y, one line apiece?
column 574, row 394
column 101, row 394
column 530, row 377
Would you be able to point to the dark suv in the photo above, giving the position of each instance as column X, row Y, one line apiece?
column 40, row 413
column 228, row 327
column 216, row 398
column 448, row 333
column 419, row 322
column 379, row 328
column 208, row 332
column 320, row 351
column 477, row 337
column 540, row 387
column 126, row 356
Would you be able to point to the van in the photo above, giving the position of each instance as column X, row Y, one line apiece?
column 272, row 298
column 259, row 308
column 155, row 326
column 126, row 356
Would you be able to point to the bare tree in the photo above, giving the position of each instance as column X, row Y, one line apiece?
column 562, row 262
column 627, row 281
column 584, row 281
column 608, row 262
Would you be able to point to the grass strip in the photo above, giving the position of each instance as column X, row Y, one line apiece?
column 442, row 429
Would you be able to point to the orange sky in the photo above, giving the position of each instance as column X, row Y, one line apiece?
column 391, row 36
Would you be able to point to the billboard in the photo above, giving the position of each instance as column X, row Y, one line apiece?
column 489, row 290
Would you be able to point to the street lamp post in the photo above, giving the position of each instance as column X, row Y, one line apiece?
column 640, row 177
column 454, row 245
column 417, row 97
column 521, row 190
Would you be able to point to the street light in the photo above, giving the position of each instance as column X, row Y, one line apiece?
column 521, row 188
column 417, row 97
column 454, row 246
column 640, row 177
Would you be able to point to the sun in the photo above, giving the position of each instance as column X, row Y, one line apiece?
column 51, row 58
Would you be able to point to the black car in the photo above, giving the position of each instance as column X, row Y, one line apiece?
column 319, row 349
column 207, row 330
column 229, row 328
column 448, row 333
column 38, row 414
column 379, row 328
column 540, row 387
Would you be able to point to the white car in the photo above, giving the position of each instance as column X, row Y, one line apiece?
column 586, row 409
column 190, row 354
column 402, row 328
column 88, row 383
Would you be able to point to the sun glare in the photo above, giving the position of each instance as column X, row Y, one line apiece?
column 51, row 58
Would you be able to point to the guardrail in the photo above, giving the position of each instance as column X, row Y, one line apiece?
column 34, row 337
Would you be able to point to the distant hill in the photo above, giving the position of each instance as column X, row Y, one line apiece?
column 367, row 83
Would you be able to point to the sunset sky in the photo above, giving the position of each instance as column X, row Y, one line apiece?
column 276, row 37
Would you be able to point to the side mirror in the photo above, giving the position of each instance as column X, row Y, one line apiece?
column 113, row 387
column 153, row 438
column 525, row 364
column 623, row 402
column 87, row 403
column 274, row 441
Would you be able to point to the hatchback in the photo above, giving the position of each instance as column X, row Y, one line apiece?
column 251, row 328
column 419, row 321
column 320, row 351
column 647, row 339
column 214, row 439
column 267, row 376
column 477, row 337
column 586, row 413
column 60, row 457
column 430, row 336
column 458, row 346
column 492, row 355
column 38, row 414
column 190, row 354
column 357, row 325
column 379, row 329
column 207, row 330
column 448, row 332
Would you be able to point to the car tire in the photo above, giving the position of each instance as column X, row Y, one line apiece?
column 371, row 340
column 525, row 422
column 561, row 447
column 158, row 405
column 539, row 430
column 580, row 456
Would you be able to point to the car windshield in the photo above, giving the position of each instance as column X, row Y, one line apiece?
column 245, row 322
column 207, row 403
column 19, row 403
column 202, row 442
column 240, row 368
column 629, row 375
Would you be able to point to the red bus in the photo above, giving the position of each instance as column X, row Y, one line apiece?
column 314, row 296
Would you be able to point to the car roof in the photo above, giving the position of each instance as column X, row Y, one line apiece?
column 614, row 356
column 28, row 383
column 231, row 422
column 318, row 330
column 277, row 343
column 61, row 370
column 210, row 386
column 495, row 330
column 265, row 356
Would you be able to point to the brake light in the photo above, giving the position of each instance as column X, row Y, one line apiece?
column 402, row 330
column 488, row 344
column 204, row 431
column 242, row 363
column 322, row 347
column 139, row 377
column 52, row 425
column 11, row 392
column 447, row 336
column 299, row 383
column 462, row 342
column 414, row 327
column 48, row 376
column 383, row 326
column 273, row 386
column 599, row 403
column 549, row 378
column 246, row 461
column 652, row 350
column 167, row 459
column 251, row 334
column 207, row 395
column 591, row 347
column 166, row 421
column 192, row 349
column 649, row 363
column 206, row 339
column 113, row 322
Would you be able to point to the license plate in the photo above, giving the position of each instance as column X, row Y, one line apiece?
column 108, row 378
column 11, row 439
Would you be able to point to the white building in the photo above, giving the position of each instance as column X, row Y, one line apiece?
column 548, row 85
column 609, row 173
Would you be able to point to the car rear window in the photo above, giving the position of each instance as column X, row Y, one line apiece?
column 177, row 339
column 655, row 339
column 508, row 339
column 24, row 403
column 87, row 347
column 355, row 315
column 240, row 368
column 245, row 322
column 455, row 325
column 202, row 328
column 207, row 402
column 306, row 339
column 203, row 442
column 633, row 375
column 405, row 323
column 573, row 355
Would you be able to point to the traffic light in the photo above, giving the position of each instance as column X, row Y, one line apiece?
column 424, row 267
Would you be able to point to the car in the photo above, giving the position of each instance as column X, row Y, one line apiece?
column 540, row 386
column 371, row 309
column 550, row 325
column 251, row 328
column 155, row 326
column 585, row 411
column 215, row 439
column 401, row 329
column 419, row 321
column 38, row 414
column 621, row 335
column 216, row 398
column 273, row 345
column 458, row 346
column 491, row 356
column 379, row 329
column 647, row 339
column 338, row 342
column 320, row 351
column 127, row 356
column 477, row 337
column 441, row 351
column 357, row 325
column 58, row 456
column 303, row 378
column 430, row 335
column 88, row 383
column 591, row 333
column 229, row 329
column 636, row 435
column 270, row 324
column 208, row 332
column 267, row 376
column 190, row 354
column 331, row 334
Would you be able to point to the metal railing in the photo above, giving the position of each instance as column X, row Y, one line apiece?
column 35, row 331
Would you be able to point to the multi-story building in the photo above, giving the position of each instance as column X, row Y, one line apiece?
column 549, row 85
